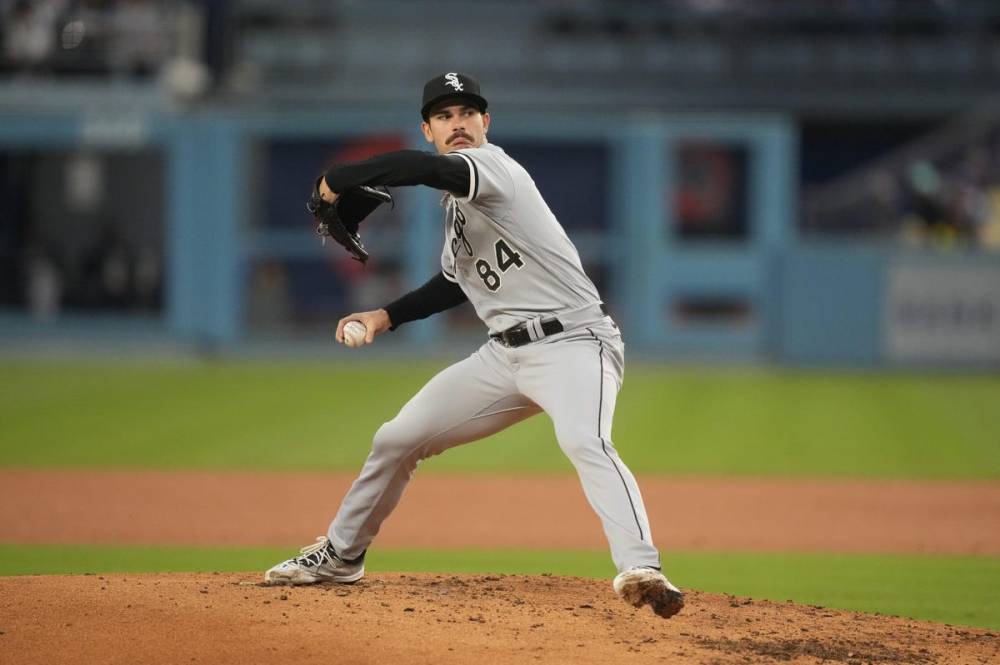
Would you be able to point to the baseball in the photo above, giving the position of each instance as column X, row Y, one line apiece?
column 354, row 333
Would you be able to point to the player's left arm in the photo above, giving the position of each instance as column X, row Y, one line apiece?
column 399, row 168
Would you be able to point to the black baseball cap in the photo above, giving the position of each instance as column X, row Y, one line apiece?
column 450, row 85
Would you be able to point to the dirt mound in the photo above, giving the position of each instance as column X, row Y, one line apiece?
column 409, row 618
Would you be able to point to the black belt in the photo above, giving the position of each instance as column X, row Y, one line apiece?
column 519, row 335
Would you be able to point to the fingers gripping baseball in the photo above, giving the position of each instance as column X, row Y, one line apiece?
column 374, row 322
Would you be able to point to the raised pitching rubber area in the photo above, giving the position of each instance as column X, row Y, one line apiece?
column 427, row 618
column 424, row 618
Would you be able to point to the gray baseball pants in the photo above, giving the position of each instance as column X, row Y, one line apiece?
column 573, row 376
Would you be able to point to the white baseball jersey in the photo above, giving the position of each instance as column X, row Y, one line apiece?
column 505, row 248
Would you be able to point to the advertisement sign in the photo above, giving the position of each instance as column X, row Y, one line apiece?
column 943, row 312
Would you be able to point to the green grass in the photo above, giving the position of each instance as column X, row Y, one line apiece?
column 669, row 420
column 956, row 590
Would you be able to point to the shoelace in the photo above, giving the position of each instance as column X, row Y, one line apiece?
column 317, row 553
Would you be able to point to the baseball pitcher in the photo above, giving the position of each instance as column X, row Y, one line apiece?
column 552, row 346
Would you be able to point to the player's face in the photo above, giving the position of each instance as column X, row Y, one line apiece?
column 455, row 126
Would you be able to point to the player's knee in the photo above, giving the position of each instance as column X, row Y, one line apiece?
column 392, row 440
column 577, row 444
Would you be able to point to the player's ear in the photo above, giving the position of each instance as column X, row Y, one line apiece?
column 486, row 122
column 426, row 129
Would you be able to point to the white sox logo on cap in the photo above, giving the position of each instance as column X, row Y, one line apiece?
column 448, row 86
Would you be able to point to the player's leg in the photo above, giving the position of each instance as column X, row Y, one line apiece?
column 576, row 379
column 466, row 402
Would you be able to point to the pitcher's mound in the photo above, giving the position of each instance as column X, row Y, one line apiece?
column 426, row 618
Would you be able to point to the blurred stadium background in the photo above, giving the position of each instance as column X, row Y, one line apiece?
column 772, row 181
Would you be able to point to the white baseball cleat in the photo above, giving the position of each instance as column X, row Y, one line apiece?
column 648, row 586
column 318, row 562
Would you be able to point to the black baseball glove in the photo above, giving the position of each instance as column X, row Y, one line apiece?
column 340, row 220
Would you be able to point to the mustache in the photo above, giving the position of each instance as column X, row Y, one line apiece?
column 459, row 135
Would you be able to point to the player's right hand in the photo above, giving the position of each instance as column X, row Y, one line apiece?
column 376, row 322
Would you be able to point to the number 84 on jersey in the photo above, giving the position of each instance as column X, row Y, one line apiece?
column 506, row 258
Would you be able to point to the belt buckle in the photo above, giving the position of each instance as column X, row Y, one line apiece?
column 502, row 338
column 507, row 335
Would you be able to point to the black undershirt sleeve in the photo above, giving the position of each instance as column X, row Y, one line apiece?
column 410, row 167
column 437, row 295
column 402, row 167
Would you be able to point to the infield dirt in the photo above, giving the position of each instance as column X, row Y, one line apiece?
column 403, row 619
column 441, row 511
